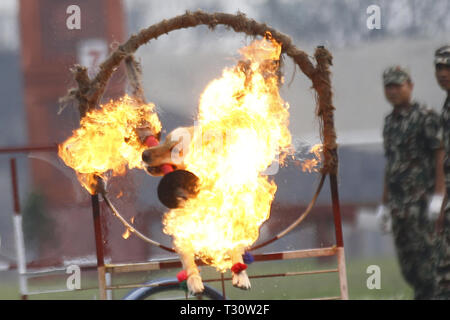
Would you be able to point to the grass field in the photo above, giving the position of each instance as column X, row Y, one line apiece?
column 295, row 287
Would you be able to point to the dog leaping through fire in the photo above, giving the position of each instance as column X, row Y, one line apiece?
column 215, row 180
column 176, row 188
column 214, row 173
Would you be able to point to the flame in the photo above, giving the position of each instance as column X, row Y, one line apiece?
column 126, row 234
column 242, row 129
column 107, row 140
column 311, row 165
column 317, row 150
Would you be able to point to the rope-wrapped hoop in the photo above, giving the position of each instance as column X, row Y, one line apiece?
column 90, row 91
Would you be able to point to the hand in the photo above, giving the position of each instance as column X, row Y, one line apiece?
column 434, row 207
column 384, row 220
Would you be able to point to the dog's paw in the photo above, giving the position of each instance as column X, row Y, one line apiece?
column 241, row 280
column 195, row 284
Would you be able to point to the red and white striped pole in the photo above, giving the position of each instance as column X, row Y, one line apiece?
column 18, row 232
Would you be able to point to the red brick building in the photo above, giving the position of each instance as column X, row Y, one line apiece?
column 50, row 46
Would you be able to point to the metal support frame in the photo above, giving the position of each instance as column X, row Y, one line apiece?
column 338, row 251
column 339, row 237
column 172, row 263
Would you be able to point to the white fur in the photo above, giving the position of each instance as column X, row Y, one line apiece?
column 194, row 281
column 239, row 280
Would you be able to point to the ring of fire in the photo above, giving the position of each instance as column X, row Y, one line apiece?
column 320, row 78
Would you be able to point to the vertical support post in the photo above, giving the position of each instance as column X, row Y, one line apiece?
column 18, row 232
column 342, row 273
column 339, row 237
column 336, row 210
column 99, row 246
column 109, row 292
column 102, row 282
column 322, row 83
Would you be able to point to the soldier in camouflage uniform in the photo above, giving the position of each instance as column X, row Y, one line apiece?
column 412, row 138
column 442, row 65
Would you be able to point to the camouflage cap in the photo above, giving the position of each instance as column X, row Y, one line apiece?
column 395, row 75
column 442, row 55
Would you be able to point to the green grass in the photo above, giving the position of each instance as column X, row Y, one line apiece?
column 392, row 284
column 294, row 287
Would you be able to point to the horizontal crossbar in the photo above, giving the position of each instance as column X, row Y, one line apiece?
column 273, row 275
column 176, row 263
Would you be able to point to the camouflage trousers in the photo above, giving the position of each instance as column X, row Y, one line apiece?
column 443, row 263
column 415, row 247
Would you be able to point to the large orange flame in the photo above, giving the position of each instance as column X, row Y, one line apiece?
column 242, row 131
column 242, row 128
column 107, row 140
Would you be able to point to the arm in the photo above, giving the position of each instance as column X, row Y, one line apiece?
column 439, row 192
column 440, row 178
column 440, row 220
column 433, row 133
column 384, row 199
column 383, row 215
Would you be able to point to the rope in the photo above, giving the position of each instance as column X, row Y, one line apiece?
column 296, row 222
column 90, row 91
column 131, row 228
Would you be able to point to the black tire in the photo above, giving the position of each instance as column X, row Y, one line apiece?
column 164, row 285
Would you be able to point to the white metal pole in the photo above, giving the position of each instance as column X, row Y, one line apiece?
column 109, row 292
column 20, row 251
column 18, row 232
column 342, row 273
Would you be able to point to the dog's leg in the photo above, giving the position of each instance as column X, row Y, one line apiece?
column 194, row 281
column 239, row 280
